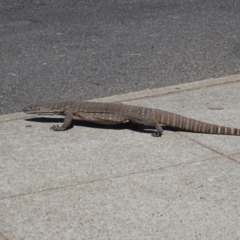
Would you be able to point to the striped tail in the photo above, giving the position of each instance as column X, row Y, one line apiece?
column 192, row 125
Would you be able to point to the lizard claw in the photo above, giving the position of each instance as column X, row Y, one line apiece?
column 157, row 134
column 57, row 128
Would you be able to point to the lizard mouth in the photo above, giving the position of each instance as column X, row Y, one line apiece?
column 31, row 110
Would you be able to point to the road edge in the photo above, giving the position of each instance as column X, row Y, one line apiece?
column 148, row 93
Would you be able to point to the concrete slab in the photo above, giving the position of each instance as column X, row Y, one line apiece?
column 217, row 104
column 96, row 183
column 235, row 157
column 193, row 201
column 2, row 237
column 46, row 159
column 207, row 105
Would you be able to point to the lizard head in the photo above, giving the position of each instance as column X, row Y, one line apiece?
column 42, row 109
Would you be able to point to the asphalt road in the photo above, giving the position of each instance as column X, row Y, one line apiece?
column 56, row 50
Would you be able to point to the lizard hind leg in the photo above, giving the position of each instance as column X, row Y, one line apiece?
column 158, row 132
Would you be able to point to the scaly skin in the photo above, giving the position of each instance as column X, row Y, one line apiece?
column 115, row 113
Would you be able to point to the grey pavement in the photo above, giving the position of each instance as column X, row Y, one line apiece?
column 70, row 49
column 95, row 182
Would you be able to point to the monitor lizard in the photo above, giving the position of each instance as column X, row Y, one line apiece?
column 115, row 113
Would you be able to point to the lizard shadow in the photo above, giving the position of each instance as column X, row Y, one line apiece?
column 137, row 128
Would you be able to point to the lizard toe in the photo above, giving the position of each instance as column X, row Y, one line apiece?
column 157, row 134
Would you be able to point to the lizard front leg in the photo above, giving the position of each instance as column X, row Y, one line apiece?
column 66, row 123
column 158, row 132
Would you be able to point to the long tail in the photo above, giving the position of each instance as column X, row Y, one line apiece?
column 192, row 125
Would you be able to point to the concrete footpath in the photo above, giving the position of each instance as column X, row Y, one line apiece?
column 94, row 182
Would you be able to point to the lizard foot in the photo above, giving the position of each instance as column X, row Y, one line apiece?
column 157, row 134
column 57, row 128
